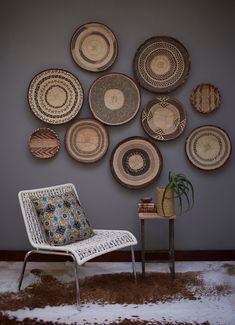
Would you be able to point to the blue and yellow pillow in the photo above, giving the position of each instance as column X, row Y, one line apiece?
column 62, row 218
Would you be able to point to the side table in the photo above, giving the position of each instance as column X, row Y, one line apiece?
column 171, row 251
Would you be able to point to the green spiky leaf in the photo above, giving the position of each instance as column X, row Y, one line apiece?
column 183, row 189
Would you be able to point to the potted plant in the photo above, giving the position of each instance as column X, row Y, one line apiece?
column 178, row 188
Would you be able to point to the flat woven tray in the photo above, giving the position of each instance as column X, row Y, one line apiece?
column 208, row 147
column 44, row 143
column 55, row 96
column 87, row 140
column 205, row 98
column 136, row 162
column 114, row 99
column 161, row 64
column 94, row 47
column 164, row 118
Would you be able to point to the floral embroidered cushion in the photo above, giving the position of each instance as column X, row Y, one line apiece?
column 62, row 218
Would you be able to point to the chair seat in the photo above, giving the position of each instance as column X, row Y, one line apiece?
column 104, row 241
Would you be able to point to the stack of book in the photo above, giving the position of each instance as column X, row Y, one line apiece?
column 146, row 205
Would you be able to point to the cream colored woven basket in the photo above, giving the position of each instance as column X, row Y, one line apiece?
column 169, row 203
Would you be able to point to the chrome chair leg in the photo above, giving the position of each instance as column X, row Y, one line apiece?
column 53, row 253
column 23, row 268
column 77, row 283
column 133, row 263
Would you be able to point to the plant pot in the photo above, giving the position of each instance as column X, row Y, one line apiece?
column 168, row 204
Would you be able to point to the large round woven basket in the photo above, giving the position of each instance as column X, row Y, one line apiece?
column 164, row 118
column 87, row 140
column 161, row 64
column 94, row 47
column 136, row 162
column 55, row 96
column 208, row 147
column 114, row 99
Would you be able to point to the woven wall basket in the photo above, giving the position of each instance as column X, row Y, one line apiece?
column 208, row 147
column 87, row 140
column 163, row 118
column 161, row 64
column 114, row 99
column 44, row 143
column 55, row 96
column 136, row 162
column 94, row 47
column 169, row 203
column 205, row 98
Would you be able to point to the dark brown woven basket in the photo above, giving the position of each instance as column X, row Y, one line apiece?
column 205, row 98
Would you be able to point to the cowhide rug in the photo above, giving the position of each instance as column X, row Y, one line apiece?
column 116, row 290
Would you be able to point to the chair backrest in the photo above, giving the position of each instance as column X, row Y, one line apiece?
column 34, row 230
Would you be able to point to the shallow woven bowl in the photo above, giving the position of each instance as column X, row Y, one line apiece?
column 44, row 143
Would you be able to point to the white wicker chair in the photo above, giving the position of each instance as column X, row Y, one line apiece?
column 102, row 242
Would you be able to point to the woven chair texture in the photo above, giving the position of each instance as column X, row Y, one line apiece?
column 104, row 241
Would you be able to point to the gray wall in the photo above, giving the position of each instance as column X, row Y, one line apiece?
column 35, row 35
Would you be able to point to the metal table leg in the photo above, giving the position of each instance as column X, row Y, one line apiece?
column 142, row 248
column 171, row 248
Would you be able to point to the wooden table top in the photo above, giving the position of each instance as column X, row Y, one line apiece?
column 153, row 215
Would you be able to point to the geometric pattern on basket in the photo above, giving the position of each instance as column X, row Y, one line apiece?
column 44, row 143
column 55, row 96
column 62, row 218
column 163, row 118
column 161, row 64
